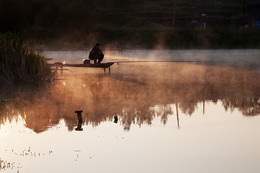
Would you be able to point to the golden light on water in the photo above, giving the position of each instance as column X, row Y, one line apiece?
column 144, row 117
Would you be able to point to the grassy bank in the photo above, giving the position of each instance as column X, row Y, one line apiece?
column 20, row 64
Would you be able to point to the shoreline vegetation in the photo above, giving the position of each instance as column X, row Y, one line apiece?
column 19, row 63
column 131, row 24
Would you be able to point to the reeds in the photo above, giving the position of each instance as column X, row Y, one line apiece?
column 19, row 64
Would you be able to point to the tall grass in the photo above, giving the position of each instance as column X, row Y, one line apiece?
column 19, row 64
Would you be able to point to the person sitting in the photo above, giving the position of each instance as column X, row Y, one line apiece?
column 96, row 54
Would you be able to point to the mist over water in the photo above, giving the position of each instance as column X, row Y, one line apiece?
column 236, row 58
column 203, row 114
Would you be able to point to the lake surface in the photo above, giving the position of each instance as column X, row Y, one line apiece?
column 185, row 117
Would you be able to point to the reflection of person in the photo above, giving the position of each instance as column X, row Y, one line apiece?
column 79, row 114
column 79, row 127
column 96, row 54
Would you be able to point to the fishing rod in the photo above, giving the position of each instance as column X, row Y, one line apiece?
column 176, row 61
column 60, row 65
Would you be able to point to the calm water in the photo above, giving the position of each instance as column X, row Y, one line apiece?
column 143, row 117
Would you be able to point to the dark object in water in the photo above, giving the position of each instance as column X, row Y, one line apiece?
column 79, row 114
column 79, row 127
column 115, row 119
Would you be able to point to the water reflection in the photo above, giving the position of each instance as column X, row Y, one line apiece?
column 79, row 115
column 133, row 96
column 115, row 119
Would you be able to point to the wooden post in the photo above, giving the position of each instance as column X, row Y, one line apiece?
column 203, row 107
column 177, row 112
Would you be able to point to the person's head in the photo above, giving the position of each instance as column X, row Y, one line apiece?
column 97, row 45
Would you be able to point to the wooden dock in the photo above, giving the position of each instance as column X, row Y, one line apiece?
column 98, row 65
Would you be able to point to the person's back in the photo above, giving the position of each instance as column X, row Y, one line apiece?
column 96, row 54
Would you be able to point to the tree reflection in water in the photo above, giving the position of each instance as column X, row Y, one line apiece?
column 136, row 96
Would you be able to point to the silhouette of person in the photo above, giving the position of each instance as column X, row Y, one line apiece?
column 79, row 114
column 96, row 54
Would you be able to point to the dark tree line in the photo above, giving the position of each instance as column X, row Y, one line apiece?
column 132, row 23
column 17, row 15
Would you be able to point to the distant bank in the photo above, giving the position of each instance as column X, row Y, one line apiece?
column 152, row 38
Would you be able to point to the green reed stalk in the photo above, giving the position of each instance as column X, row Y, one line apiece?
column 19, row 63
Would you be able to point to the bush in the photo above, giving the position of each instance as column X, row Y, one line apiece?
column 19, row 64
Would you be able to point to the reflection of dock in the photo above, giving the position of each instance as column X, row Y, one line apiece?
column 98, row 65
